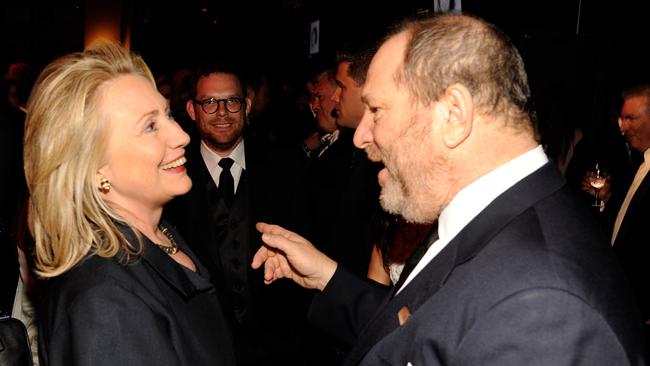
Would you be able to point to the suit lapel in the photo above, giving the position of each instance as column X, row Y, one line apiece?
column 478, row 233
column 635, row 205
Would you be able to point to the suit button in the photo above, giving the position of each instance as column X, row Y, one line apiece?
column 238, row 301
column 238, row 286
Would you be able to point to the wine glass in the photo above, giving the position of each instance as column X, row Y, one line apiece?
column 597, row 180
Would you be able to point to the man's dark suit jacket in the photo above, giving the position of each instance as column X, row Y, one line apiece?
column 149, row 312
column 632, row 245
column 225, row 240
column 527, row 282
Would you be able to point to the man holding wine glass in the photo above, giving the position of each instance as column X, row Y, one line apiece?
column 630, row 237
column 628, row 225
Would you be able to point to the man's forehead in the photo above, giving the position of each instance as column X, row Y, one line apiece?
column 343, row 73
column 385, row 62
column 635, row 103
column 217, row 84
column 343, row 68
column 324, row 84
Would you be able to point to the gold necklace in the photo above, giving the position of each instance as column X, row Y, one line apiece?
column 168, row 249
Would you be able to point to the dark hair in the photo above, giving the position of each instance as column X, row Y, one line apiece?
column 395, row 238
column 319, row 69
column 640, row 90
column 358, row 55
column 449, row 49
column 216, row 68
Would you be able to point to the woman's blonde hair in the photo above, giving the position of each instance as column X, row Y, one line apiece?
column 65, row 145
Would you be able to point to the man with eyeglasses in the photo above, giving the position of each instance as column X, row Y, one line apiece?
column 237, row 181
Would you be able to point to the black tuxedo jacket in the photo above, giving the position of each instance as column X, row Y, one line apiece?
column 632, row 245
column 527, row 282
column 225, row 240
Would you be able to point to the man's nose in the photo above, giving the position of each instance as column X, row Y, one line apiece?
column 623, row 124
column 221, row 109
column 363, row 134
column 335, row 96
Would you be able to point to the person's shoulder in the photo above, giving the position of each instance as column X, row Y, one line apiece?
column 94, row 274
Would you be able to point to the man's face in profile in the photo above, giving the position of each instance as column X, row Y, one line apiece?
column 635, row 122
column 401, row 135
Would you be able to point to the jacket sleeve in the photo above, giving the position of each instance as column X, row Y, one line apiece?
column 542, row 326
column 346, row 305
column 109, row 325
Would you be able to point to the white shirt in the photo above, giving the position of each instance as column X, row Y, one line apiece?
column 474, row 198
column 211, row 160
column 638, row 178
column 327, row 140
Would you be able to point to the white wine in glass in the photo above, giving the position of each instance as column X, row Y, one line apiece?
column 597, row 181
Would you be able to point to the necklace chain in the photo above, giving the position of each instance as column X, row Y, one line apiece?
column 168, row 249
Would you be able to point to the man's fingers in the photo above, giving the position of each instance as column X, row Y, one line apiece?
column 269, row 271
column 260, row 257
column 265, row 228
column 277, row 242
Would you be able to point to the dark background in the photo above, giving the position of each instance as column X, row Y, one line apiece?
column 586, row 50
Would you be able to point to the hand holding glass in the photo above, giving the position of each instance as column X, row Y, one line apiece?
column 597, row 181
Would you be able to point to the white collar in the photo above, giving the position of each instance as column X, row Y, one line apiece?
column 212, row 159
column 471, row 200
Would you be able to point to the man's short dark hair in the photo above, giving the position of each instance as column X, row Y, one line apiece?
column 319, row 69
column 216, row 68
column 639, row 90
column 358, row 55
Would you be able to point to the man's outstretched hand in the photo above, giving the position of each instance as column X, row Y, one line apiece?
column 287, row 254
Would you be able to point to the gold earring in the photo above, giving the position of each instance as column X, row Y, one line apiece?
column 104, row 185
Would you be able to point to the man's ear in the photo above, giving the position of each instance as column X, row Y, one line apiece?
column 460, row 107
column 249, row 103
column 189, row 107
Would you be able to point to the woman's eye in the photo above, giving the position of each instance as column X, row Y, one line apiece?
column 151, row 127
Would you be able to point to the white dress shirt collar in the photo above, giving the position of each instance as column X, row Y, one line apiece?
column 211, row 160
column 639, row 176
column 471, row 200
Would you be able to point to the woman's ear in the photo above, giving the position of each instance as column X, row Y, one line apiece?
column 460, row 107
column 102, row 183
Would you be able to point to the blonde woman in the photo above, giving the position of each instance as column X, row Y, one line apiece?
column 102, row 157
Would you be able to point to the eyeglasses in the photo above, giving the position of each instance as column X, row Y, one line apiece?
column 211, row 105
